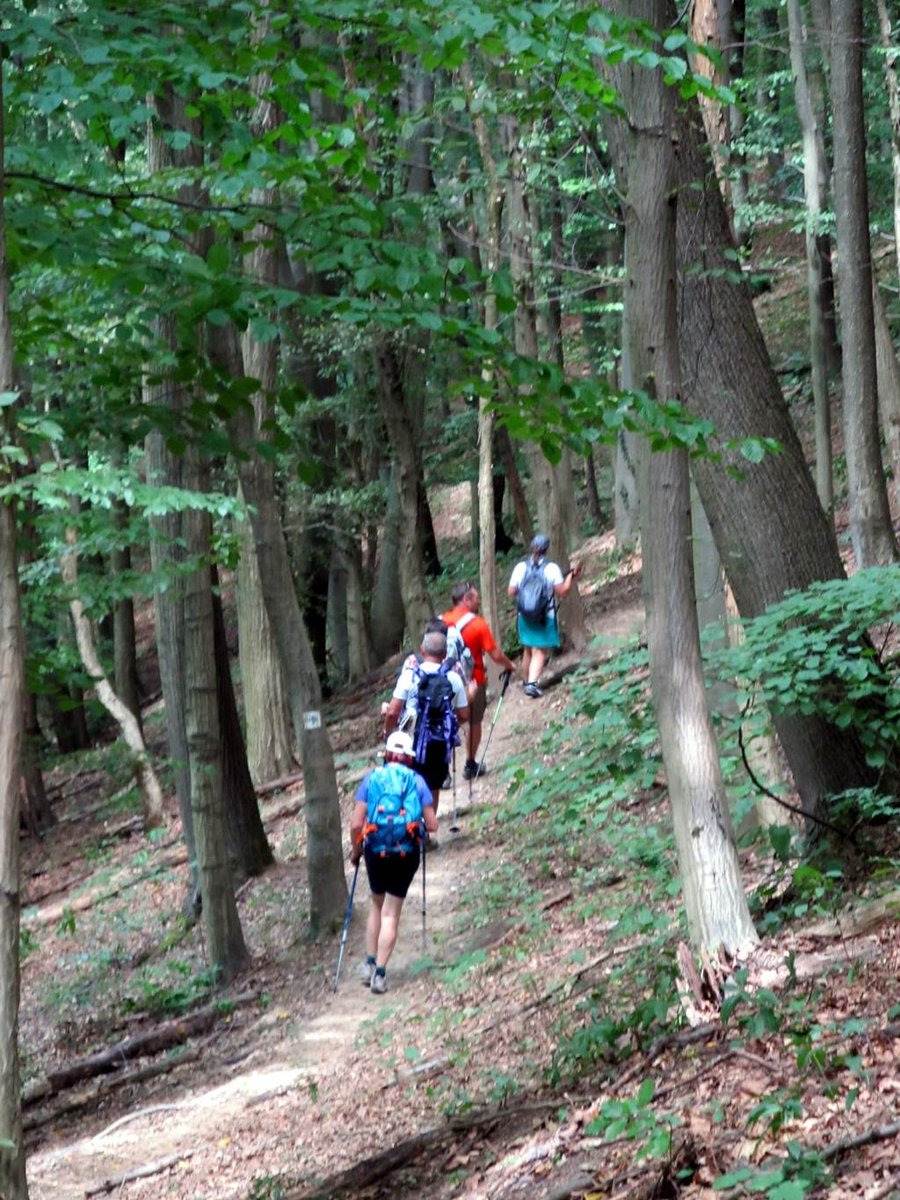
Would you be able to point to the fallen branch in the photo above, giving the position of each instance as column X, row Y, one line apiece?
column 278, row 785
column 135, row 1116
column 152, row 1041
column 881, row 1133
column 144, row 1172
column 89, row 1097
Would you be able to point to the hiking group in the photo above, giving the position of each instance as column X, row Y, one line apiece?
column 439, row 691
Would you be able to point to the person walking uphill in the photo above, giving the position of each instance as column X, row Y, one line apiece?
column 477, row 637
column 392, row 804
column 430, row 702
column 536, row 583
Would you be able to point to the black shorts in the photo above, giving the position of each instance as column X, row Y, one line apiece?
column 434, row 769
column 392, row 874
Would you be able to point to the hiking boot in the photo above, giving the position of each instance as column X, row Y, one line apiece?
column 379, row 983
column 448, row 781
column 472, row 769
column 532, row 690
column 366, row 971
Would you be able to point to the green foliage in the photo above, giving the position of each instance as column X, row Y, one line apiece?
column 172, row 990
column 796, row 1177
column 636, row 1120
column 814, row 653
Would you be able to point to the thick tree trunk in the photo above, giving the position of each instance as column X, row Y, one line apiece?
column 13, row 1184
column 714, row 897
column 888, row 369
column 266, row 717
column 38, row 815
column 771, row 530
column 871, row 530
column 225, row 948
column 127, row 684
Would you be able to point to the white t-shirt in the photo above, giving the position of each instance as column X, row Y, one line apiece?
column 552, row 574
column 407, row 686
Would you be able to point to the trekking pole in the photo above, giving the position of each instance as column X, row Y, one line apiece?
column 346, row 929
column 454, row 828
column 424, row 856
column 505, row 677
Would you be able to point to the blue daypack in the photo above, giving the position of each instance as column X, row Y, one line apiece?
column 393, row 811
column 534, row 596
column 436, row 720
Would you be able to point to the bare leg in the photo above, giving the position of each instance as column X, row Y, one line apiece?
column 474, row 740
column 373, row 925
column 435, row 798
column 390, row 921
column 526, row 663
column 536, row 664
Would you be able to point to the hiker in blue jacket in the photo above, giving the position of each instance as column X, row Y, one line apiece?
column 535, row 584
column 392, row 854
column 432, row 753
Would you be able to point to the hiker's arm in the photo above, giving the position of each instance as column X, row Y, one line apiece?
column 429, row 816
column 392, row 715
column 563, row 589
column 512, row 591
column 502, row 660
column 462, row 714
column 357, row 825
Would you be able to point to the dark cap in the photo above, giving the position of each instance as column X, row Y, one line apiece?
column 540, row 543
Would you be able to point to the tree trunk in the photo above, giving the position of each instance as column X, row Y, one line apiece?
column 893, row 87
column 38, row 815
column 771, row 530
column 888, row 369
column 124, row 642
column 247, row 842
column 715, row 902
column 13, row 1184
column 145, row 775
column 166, row 532
column 400, row 424
column 871, row 530
column 324, row 852
column 225, row 948
column 626, row 502
column 268, row 734
column 387, row 619
column 812, row 183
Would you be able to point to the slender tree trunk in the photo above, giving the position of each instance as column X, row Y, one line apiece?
column 247, row 842
column 127, row 683
column 888, row 371
column 13, row 1184
column 871, row 530
column 893, row 86
column 266, row 717
column 145, row 775
column 812, row 184
column 715, row 902
column 324, row 853
column 400, row 426
column 225, row 946
column 626, row 502
column 387, row 617
column 38, row 815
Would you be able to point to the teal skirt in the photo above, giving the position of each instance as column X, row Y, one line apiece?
column 545, row 637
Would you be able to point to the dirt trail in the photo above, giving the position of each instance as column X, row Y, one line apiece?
column 259, row 1104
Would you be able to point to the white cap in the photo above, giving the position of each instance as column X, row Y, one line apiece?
column 399, row 743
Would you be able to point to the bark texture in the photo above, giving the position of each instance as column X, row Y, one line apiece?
column 870, row 517
column 771, row 530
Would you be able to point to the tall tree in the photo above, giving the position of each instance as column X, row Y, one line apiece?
column 715, row 902
column 13, row 1184
column 870, row 516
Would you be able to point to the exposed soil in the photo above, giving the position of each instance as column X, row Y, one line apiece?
column 300, row 1083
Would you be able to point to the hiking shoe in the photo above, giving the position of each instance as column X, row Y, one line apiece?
column 379, row 983
column 448, row 781
column 472, row 770
column 366, row 971
column 532, row 690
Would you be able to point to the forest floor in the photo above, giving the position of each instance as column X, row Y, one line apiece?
column 458, row 1081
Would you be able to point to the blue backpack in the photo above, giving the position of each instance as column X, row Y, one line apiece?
column 436, row 720
column 534, row 596
column 393, row 812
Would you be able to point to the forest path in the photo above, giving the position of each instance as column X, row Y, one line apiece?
column 276, row 1096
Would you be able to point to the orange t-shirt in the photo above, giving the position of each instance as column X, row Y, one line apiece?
column 477, row 636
